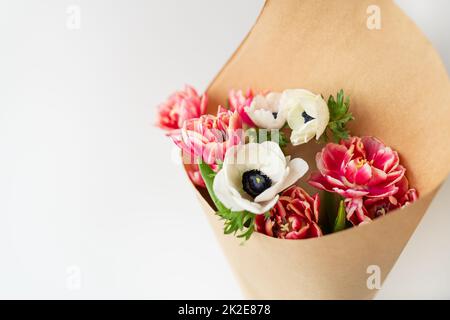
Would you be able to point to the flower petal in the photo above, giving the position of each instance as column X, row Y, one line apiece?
column 255, row 207
column 363, row 174
column 304, row 134
column 223, row 193
column 297, row 169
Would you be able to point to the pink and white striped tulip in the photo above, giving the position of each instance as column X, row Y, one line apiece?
column 208, row 137
column 238, row 101
column 179, row 107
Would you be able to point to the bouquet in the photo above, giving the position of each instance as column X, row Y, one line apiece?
column 317, row 197
column 240, row 156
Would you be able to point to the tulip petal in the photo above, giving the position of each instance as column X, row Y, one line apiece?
column 319, row 181
column 363, row 174
column 378, row 176
column 333, row 156
column 351, row 193
column 301, row 234
column 314, row 230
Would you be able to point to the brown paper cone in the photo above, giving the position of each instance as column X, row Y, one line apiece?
column 399, row 92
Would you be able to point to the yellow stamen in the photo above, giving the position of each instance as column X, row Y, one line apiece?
column 360, row 162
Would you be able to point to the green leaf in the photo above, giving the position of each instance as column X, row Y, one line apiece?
column 208, row 176
column 339, row 223
column 240, row 224
column 339, row 117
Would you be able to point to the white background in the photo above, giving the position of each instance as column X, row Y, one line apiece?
column 91, row 204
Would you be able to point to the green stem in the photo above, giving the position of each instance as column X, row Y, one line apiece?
column 339, row 223
column 208, row 176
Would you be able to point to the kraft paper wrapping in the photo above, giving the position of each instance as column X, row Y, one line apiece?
column 399, row 92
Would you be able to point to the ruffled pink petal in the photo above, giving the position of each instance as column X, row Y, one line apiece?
column 316, row 208
column 363, row 174
column 295, row 221
column 351, row 193
column 203, row 103
column 300, row 208
column 179, row 107
column 382, row 192
column 294, row 216
column 301, row 234
column 238, row 101
column 378, row 177
column 356, row 212
column 190, row 91
column 332, row 157
column 196, row 177
column 318, row 181
column 334, row 182
column 371, row 146
column 350, row 171
column 395, row 176
column 314, row 230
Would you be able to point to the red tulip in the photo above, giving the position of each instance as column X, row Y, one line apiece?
column 294, row 216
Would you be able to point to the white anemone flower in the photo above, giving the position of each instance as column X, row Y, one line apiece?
column 307, row 116
column 267, row 112
column 254, row 174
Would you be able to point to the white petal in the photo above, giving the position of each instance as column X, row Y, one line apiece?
column 297, row 169
column 274, row 148
column 300, row 100
column 309, row 104
column 266, row 206
column 259, row 102
column 271, row 192
column 272, row 160
column 323, row 117
column 292, row 97
column 262, row 108
column 304, row 134
column 265, row 119
column 223, row 193
column 273, row 101
column 256, row 207
column 294, row 117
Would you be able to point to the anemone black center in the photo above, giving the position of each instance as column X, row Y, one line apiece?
column 254, row 182
column 307, row 117
column 275, row 114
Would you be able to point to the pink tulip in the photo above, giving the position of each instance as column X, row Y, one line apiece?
column 404, row 196
column 294, row 216
column 358, row 167
column 366, row 173
column 360, row 210
column 179, row 107
column 194, row 174
column 209, row 137
column 237, row 101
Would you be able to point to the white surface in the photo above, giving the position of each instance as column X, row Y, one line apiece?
column 90, row 204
